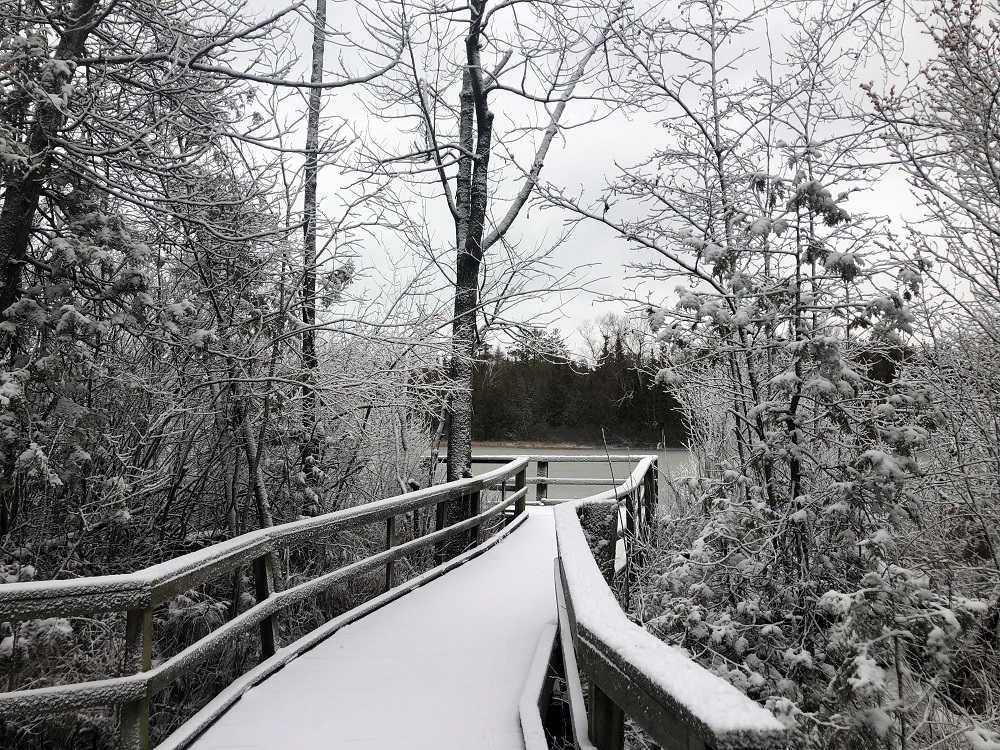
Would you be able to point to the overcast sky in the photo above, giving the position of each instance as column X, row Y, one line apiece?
column 581, row 163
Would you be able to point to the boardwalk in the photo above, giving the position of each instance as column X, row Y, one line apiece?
column 442, row 667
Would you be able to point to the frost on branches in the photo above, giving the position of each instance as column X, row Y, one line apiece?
column 800, row 564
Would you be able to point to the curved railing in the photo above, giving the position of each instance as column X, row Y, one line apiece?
column 629, row 671
column 542, row 480
column 138, row 593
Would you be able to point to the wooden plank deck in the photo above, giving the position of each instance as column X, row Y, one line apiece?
column 443, row 667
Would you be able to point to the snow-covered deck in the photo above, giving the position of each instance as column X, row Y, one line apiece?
column 442, row 667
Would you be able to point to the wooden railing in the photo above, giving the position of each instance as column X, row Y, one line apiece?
column 137, row 594
column 542, row 480
column 630, row 672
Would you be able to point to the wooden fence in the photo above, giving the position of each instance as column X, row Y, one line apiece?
column 138, row 594
column 542, row 480
column 628, row 671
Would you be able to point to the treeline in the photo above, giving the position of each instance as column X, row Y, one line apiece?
column 537, row 391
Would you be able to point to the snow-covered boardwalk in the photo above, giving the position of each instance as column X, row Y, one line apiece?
column 442, row 667
column 459, row 657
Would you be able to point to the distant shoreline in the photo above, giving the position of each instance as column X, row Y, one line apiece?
column 538, row 444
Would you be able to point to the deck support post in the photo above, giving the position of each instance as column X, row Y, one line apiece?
column 390, row 567
column 263, row 582
column 520, row 482
column 542, row 487
column 606, row 721
column 440, row 547
column 475, row 508
column 138, row 658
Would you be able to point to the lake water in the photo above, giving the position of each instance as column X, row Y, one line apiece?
column 673, row 462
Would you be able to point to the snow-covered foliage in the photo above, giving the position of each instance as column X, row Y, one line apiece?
column 152, row 380
column 803, row 565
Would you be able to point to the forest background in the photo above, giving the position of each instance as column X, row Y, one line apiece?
column 540, row 393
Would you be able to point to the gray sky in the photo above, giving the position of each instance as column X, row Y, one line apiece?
column 581, row 163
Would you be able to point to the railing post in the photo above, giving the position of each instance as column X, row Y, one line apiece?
column 542, row 488
column 631, row 509
column 263, row 581
column 606, row 721
column 520, row 482
column 651, row 492
column 138, row 658
column 475, row 507
column 611, row 554
column 650, row 501
column 440, row 547
column 631, row 539
column 390, row 567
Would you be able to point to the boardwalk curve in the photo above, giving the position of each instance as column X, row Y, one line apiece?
column 442, row 667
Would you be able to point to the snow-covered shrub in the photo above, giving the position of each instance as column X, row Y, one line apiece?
column 805, row 563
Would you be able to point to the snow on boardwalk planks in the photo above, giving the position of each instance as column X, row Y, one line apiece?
column 443, row 667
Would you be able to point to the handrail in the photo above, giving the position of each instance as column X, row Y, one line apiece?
column 542, row 481
column 138, row 593
column 629, row 670
column 567, row 458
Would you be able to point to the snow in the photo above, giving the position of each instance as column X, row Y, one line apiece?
column 741, row 319
column 713, row 252
column 574, row 687
column 444, row 666
column 710, row 706
column 669, row 377
column 529, row 708
column 980, row 738
column 657, row 317
column 787, row 380
column 129, row 590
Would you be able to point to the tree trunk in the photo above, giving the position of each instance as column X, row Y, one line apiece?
column 471, row 202
column 255, row 477
column 21, row 195
column 309, row 359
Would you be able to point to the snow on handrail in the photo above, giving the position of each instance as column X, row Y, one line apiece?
column 138, row 593
column 116, row 593
column 676, row 700
column 630, row 485
column 568, row 458
column 543, row 481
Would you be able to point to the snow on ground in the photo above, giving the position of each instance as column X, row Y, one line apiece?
column 443, row 667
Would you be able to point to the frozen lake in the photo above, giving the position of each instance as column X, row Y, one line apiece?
column 673, row 462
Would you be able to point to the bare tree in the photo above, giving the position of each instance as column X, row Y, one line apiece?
column 944, row 128
column 456, row 65
column 310, row 219
column 152, row 369
column 785, row 331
